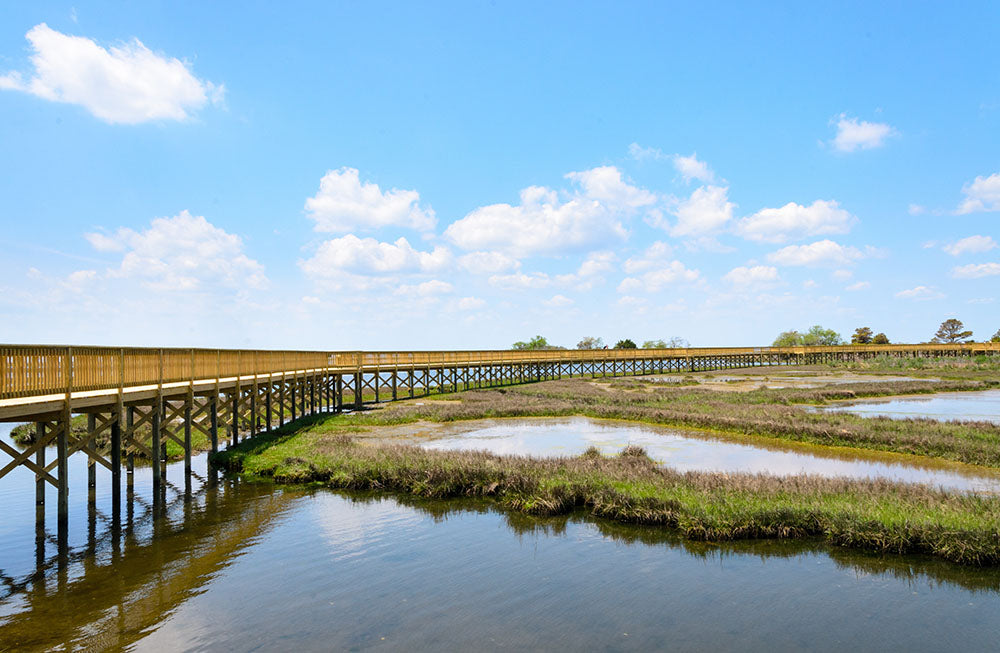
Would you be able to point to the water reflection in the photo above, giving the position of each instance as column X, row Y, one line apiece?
column 255, row 567
column 982, row 406
column 688, row 450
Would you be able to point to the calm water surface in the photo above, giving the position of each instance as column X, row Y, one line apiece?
column 690, row 450
column 235, row 566
column 979, row 406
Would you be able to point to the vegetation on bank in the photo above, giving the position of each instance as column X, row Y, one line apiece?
column 872, row 515
column 773, row 413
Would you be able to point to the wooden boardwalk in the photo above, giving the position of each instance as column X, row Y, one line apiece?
column 137, row 399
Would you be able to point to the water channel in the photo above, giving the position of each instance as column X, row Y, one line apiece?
column 230, row 565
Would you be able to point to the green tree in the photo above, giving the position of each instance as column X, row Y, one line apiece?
column 625, row 344
column 538, row 342
column 862, row 336
column 880, row 339
column 787, row 339
column 996, row 336
column 590, row 342
column 676, row 342
column 952, row 330
column 654, row 344
column 817, row 335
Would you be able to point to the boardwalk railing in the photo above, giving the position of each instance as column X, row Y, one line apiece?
column 31, row 370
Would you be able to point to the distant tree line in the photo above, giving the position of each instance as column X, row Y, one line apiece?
column 592, row 342
column 950, row 331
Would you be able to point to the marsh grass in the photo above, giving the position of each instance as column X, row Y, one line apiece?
column 877, row 516
column 771, row 413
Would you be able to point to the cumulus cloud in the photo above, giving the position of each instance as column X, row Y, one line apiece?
column 367, row 256
column 426, row 289
column 690, row 167
column 860, row 285
column 470, row 303
column 543, row 223
column 605, row 185
column 343, row 203
column 558, row 301
column 752, row 277
column 520, row 281
column 640, row 153
column 185, row 252
column 976, row 271
column 125, row 84
column 920, row 293
column 656, row 255
column 707, row 210
column 665, row 274
column 488, row 262
column 854, row 134
column 971, row 245
column 982, row 195
column 793, row 221
column 820, row 253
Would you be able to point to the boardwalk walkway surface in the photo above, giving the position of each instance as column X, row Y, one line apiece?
column 137, row 399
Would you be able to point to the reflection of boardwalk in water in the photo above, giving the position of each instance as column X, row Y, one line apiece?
column 109, row 593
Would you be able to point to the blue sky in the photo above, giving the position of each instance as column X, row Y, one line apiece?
column 464, row 175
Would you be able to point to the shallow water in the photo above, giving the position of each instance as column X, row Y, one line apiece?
column 979, row 406
column 691, row 450
column 246, row 567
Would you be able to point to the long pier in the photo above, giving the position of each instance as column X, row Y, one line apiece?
column 138, row 399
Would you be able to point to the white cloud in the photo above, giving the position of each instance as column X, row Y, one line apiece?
column 104, row 243
column 426, row 289
column 655, row 255
column 369, row 256
column 343, row 203
column 520, row 281
column 976, row 271
column 488, row 262
column 982, row 195
column 842, row 275
column 557, row 301
column 184, row 252
column 122, row 84
column 853, row 134
column 707, row 210
column 640, row 153
column 809, row 283
column 470, row 303
column 605, row 184
column 861, row 285
column 916, row 209
column 591, row 271
column 544, row 224
column 669, row 273
column 793, row 221
column 690, row 168
column 820, row 253
column 756, row 276
column 920, row 293
column 971, row 245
